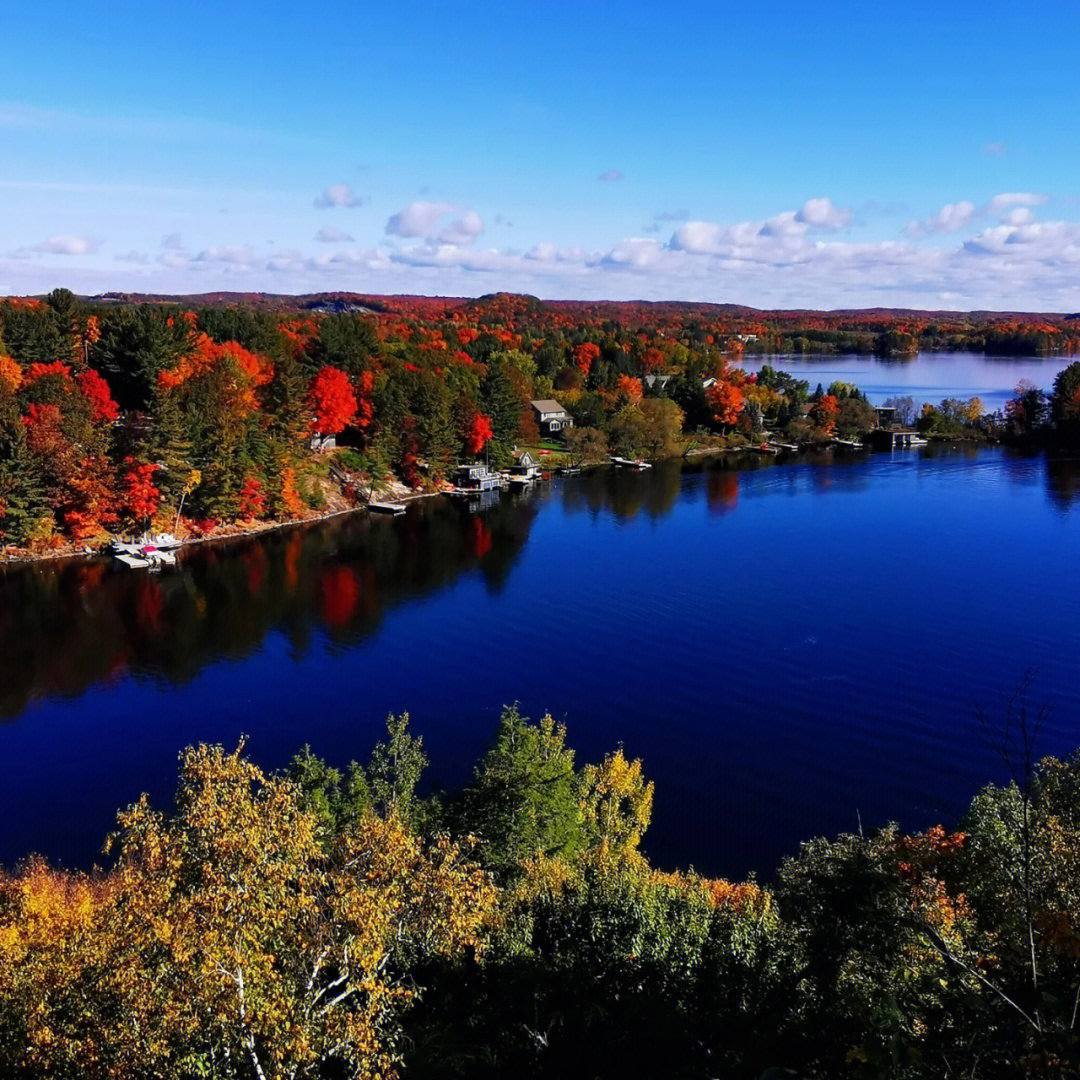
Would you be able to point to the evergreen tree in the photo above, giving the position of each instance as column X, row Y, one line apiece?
column 525, row 799
column 23, row 492
column 395, row 769
column 137, row 343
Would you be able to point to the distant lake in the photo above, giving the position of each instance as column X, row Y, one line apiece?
column 792, row 648
column 924, row 377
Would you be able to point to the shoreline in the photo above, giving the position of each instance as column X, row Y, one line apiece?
column 238, row 531
column 234, row 531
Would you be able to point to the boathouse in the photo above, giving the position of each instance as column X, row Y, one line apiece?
column 525, row 466
column 477, row 477
column 895, row 439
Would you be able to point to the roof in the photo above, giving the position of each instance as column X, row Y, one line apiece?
column 546, row 405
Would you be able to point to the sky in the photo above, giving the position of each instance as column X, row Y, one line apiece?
column 773, row 154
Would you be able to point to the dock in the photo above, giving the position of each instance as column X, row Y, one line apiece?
column 392, row 508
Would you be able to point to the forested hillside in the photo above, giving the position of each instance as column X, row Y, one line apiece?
column 121, row 413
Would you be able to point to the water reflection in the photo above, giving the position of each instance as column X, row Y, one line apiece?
column 65, row 627
column 1063, row 481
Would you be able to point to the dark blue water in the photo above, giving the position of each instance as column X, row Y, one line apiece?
column 790, row 647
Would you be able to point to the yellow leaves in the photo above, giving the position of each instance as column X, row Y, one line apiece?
column 231, row 927
column 617, row 805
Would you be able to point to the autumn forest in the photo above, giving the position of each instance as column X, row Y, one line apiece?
column 122, row 413
column 331, row 922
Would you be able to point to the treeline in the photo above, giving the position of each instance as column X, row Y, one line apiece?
column 118, row 417
column 331, row 923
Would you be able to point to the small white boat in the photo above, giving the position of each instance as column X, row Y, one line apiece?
column 159, row 541
column 144, row 556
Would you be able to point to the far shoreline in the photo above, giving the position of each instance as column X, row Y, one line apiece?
column 237, row 531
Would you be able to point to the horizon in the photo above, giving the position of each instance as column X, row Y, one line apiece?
column 229, row 295
column 774, row 159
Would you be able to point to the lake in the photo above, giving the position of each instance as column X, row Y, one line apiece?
column 924, row 377
column 792, row 648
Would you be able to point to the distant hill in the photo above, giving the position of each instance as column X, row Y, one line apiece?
column 587, row 310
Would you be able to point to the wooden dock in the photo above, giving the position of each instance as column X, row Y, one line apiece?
column 395, row 509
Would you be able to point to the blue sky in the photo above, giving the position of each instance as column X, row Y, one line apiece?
column 774, row 154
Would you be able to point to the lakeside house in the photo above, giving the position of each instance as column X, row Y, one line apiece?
column 476, row 477
column 657, row 381
column 551, row 417
column 323, row 442
column 525, row 469
column 886, row 415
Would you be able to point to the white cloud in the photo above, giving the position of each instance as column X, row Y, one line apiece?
column 637, row 253
column 328, row 235
column 417, row 219
column 423, row 219
column 1000, row 203
column 786, row 224
column 172, row 242
column 795, row 258
column 464, row 230
column 68, row 245
column 698, row 237
column 610, row 175
column 239, row 255
column 338, row 195
column 949, row 218
column 821, row 214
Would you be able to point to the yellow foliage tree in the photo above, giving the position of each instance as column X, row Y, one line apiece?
column 617, row 805
column 230, row 934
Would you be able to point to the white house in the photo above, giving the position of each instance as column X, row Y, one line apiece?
column 551, row 417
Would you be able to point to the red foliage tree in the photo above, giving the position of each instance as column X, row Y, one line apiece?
column 42, row 416
column 478, row 433
column 652, row 360
column 252, row 500
column 40, row 371
column 585, row 355
column 141, row 496
column 332, row 400
column 630, row 386
column 96, row 390
column 365, row 405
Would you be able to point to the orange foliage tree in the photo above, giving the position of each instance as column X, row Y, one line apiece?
column 10, row 372
column 332, row 401
column 726, row 400
column 824, row 414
